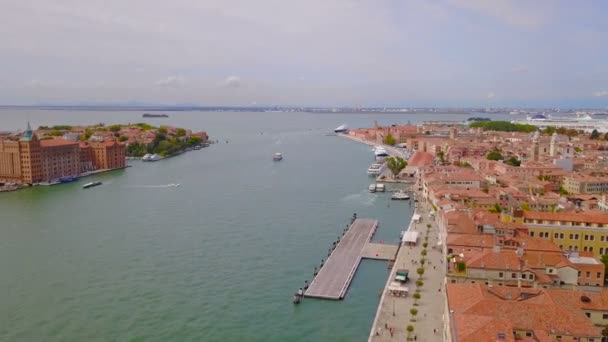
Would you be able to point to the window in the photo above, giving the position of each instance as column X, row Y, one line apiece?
column 532, row 234
column 555, row 235
column 523, row 276
column 587, row 314
column 571, row 236
column 513, row 275
column 575, row 236
column 579, row 273
column 500, row 275
column 599, row 275
column 586, row 237
column 588, row 274
column 605, row 316
column 529, row 334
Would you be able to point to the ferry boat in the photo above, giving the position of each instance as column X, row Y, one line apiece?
column 92, row 184
column 341, row 129
column 400, row 195
column 375, row 169
column 380, row 151
column 277, row 157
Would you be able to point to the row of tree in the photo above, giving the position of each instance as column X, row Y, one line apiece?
column 503, row 126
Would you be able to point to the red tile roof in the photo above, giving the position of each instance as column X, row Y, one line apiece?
column 58, row 142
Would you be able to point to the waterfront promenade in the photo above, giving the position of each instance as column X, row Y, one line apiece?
column 394, row 312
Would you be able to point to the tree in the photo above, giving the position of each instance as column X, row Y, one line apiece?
column 595, row 135
column 395, row 164
column 549, row 130
column 114, row 128
column 441, row 156
column 494, row 155
column 87, row 134
column 389, row 140
column 414, row 312
column 419, row 283
column 513, row 161
column 420, row 271
column 525, row 206
column 180, row 132
column 123, row 138
column 410, row 330
column 416, row 298
column 56, row 133
column 461, row 266
column 194, row 141
column 425, row 245
column 503, row 126
column 162, row 130
column 423, row 253
column 466, row 164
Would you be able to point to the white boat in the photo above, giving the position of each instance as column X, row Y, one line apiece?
column 91, row 184
column 582, row 121
column 380, row 187
column 151, row 157
column 277, row 157
column 372, row 188
column 341, row 129
column 375, row 169
column 380, row 152
column 400, row 195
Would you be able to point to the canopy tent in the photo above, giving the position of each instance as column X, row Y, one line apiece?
column 416, row 218
column 410, row 237
column 396, row 289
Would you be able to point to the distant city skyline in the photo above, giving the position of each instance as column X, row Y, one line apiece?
column 443, row 53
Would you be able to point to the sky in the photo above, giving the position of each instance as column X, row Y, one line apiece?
column 433, row 53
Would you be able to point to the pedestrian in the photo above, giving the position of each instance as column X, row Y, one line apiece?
column 434, row 331
column 385, row 325
column 433, row 267
column 415, row 337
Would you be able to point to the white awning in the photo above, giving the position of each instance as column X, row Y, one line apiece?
column 439, row 243
column 410, row 236
column 400, row 277
column 416, row 217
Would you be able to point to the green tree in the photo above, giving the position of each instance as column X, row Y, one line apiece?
column 410, row 330
column 494, row 155
column 461, row 266
column 525, row 206
column 563, row 191
column 466, row 164
column 419, row 283
column 87, row 134
column 595, row 135
column 420, row 271
column 513, row 161
column 395, row 164
column 56, row 133
column 441, row 156
column 180, row 132
column 114, row 128
column 389, row 140
column 503, row 126
column 414, row 312
column 425, row 245
column 194, row 141
column 424, row 252
column 123, row 138
column 416, row 298
column 549, row 130
column 162, row 130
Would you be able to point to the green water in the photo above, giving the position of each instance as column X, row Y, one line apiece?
column 216, row 259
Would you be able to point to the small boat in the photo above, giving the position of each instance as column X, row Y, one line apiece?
column 400, row 195
column 297, row 297
column 92, row 184
column 151, row 157
column 380, row 187
column 341, row 129
column 375, row 169
column 372, row 188
column 277, row 157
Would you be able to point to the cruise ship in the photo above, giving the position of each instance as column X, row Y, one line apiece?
column 581, row 121
column 341, row 129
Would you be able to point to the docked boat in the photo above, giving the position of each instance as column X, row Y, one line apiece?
column 151, row 157
column 580, row 121
column 375, row 169
column 341, row 129
column 372, row 188
column 400, row 195
column 380, row 151
column 92, row 184
column 277, row 157
column 380, row 187
column 68, row 179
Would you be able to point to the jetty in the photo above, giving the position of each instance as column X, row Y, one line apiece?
column 335, row 276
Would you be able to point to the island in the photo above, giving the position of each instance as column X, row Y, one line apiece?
column 86, row 150
column 148, row 115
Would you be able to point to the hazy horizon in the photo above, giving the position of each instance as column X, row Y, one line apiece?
column 442, row 53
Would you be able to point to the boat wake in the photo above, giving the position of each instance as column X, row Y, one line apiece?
column 162, row 186
column 363, row 198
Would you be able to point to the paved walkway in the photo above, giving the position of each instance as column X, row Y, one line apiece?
column 395, row 311
column 379, row 251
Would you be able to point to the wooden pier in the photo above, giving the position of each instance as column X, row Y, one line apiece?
column 335, row 276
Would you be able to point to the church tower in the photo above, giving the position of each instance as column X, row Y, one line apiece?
column 30, row 154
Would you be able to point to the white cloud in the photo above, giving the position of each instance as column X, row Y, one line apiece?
column 170, row 81
column 491, row 95
column 232, row 81
column 601, row 93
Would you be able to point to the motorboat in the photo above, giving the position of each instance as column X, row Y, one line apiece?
column 400, row 195
column 341, row 129
column 380, row 152
column 91, row 184
column 277, row 157
column 375, row 169
column 372, row 188
column 151, row 157
column 380, row 187
column 68, row 179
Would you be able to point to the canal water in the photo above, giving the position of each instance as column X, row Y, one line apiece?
column 215, row 259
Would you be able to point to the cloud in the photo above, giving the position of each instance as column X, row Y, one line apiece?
column 519, row 69
column 232, row 81
column 601, row 93
column 170, row 81
column 491, row 95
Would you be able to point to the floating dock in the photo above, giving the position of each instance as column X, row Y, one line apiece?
column 335, row 276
